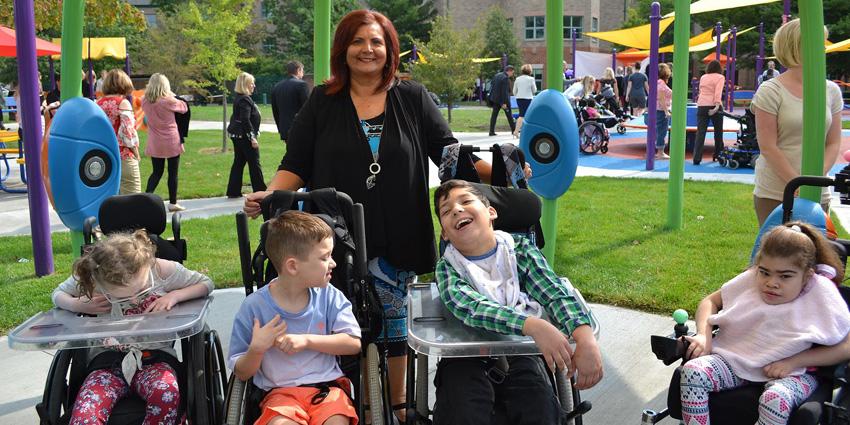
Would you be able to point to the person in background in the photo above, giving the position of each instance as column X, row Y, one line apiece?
column 244, row 130
column 163, row 145
column 709, row 105
column 500, row 98
column 769, row 73
column 637, row 88
column 114, row 103
column 524, row 89
column 288, row 96
column 663, row 106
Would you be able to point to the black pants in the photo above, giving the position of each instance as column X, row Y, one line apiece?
column 467, row 396
column 158, row 168
column 508, row 113
column 702, row 125
column 243, row 153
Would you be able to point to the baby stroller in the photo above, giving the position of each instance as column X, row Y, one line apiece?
column 350, row 276
column 740, row 405
column 201, row 370
column 608, row 99
column 593, row 132
column 745, row 152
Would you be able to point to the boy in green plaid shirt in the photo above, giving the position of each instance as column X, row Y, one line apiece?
column 500, row 282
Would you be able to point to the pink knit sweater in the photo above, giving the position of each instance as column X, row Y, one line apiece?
column 710, row 89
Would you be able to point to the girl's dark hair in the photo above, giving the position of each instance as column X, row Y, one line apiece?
column 345, row 31
column 807, row 247
column 113, row 261
column 713, row 67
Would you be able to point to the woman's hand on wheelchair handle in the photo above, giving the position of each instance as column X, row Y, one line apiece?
column 698, row 345
column 252, row 203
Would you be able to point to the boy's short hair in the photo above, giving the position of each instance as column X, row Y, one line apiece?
column 443, row 191
column 294, row 234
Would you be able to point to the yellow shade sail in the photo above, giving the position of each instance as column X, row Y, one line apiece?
column 703, row 6
column 841, row 46
column 101, row 47
column 637, row 37
column 699, row 43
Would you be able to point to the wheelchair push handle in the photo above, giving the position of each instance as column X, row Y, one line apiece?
column 796, row 183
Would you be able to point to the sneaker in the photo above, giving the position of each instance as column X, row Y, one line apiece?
column 176, row 207
column 492, row 134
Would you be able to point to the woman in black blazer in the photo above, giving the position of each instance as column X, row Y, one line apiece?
column 244, row 129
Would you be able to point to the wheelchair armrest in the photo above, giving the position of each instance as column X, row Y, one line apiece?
column 88, row 230
column 175, row 225
column 668, row 349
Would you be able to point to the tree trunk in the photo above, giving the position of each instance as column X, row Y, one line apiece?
column 449, row 103
column 223, row 122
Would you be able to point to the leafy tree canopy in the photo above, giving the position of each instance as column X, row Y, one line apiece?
column 499, row 39
column 412, row 19
column 99, row 14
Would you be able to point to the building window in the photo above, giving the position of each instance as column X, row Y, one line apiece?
column 537, row 73
column 594, row 24
column 572, row 23
column 534, row 27
column 151, row 20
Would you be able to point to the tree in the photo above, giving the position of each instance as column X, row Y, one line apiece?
column 99, row 14
column 292, row 27
column 412, row 20
column 499, row 39
column 167, row 50
column 212, row 27
column 449, row 71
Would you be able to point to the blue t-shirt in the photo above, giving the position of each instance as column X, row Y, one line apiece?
column 638, row 80
column 328, row 312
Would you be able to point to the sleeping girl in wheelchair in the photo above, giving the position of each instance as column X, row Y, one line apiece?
column 768, row 318
column 121, row 276
column 499, row 282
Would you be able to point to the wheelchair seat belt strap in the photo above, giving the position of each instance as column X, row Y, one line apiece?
column 497, row 369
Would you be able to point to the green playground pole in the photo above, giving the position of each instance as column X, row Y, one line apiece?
column 321, row 41
column 814, row 93
column 72, row 64
column 675, row 182
column 554, row 33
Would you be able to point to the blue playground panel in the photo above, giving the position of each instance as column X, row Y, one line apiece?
column 743, row 95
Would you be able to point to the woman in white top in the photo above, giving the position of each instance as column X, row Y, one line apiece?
column 524, row 89
column 778, row 107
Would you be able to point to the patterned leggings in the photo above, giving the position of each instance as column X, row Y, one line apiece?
column 155, row 383
column 712, row 373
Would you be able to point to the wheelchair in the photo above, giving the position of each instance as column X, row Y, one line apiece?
column 740, row 406
column 200, row 370
column 434, row 331
column 350, row 276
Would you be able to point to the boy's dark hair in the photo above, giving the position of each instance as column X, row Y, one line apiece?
column 294, row 234
column 591, row 103
column 443, row 191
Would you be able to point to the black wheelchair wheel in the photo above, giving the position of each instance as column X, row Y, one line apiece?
column 216, row 374
column 376, row 394
column 590, row 137
column 733, row 164
column 621, row 129
column 721, row 161
column 197, row 400
column 604, row 148
column 234, row 404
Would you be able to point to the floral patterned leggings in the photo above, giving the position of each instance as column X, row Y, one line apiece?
column 712, row 373
column 156, row 384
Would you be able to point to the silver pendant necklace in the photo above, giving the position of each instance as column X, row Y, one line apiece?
column 374, row 167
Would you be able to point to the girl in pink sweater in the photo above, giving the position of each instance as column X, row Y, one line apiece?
column 768, row 318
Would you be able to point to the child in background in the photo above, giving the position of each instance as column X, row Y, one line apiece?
column 502, row 283
column 591, row 110
column 121, row 275
column 287, row 334
column 768, row 317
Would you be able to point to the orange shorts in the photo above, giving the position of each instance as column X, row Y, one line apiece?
column 295, row 404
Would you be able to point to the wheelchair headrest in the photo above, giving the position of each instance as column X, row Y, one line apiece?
column 517, row 209
column 133, row 212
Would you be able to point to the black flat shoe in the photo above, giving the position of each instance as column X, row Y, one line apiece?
column 493, row 134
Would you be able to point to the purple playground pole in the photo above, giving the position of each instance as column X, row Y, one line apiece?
column 127, row 64
column 760, row 57
column 729, row 72
column 614, row 59
column 42, row 247
column 718, row 30
column 90, row 76
column 504, row 61
column 652, row 74
column 52, row 73
column 786, row 11
column 733, row 41
column 575, row 69
column 694, row 89
column 413, row 54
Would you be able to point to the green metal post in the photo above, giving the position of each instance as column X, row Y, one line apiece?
column 72, row 65
column 321, row 40
column 554, row 32
column 675, row 182
column 814, row 93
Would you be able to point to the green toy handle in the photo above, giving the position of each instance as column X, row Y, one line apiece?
column 680, row 316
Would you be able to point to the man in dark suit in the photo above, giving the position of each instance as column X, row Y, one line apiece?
column 500, row 98
column 288, row 96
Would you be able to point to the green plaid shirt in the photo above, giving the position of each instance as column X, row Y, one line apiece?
column 536, row 278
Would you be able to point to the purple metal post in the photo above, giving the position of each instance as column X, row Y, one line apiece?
column 733, row 41
column 127, row 64
column 90, row 76
column 52, row 73
column 575, row 68
column 504, row 61
column 694, row 89
column 786, row 11
column 760, row 57
column 728, row 99
column 718, row 30
column 30, row 111
column 614, row 59
column 652, row 74
column 413, row 54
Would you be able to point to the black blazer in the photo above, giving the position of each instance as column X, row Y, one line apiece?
column 288, row 96
column 327, row 148
column 182, row 120
column 500, row 89
column 245, row 121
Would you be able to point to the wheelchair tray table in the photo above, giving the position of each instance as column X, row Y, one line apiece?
column 433, row 330
column 62, row 329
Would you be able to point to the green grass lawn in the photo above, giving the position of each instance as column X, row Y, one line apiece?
column 845, row 124
column 204, row 169
column 469, row 117
column 611, row 244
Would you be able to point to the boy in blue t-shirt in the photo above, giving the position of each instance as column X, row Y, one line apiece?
column 288, row 333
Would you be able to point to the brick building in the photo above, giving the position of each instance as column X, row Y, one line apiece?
column 528, row 18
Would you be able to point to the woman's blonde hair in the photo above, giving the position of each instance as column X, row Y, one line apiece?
column 663, row 71
column 112, row 262
column 803, row 244
column 608, row 74
column 587, row 83
column 526, row 69
column 158, row 86
column 242, row 82
column 786, row 44
column 117, row 82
